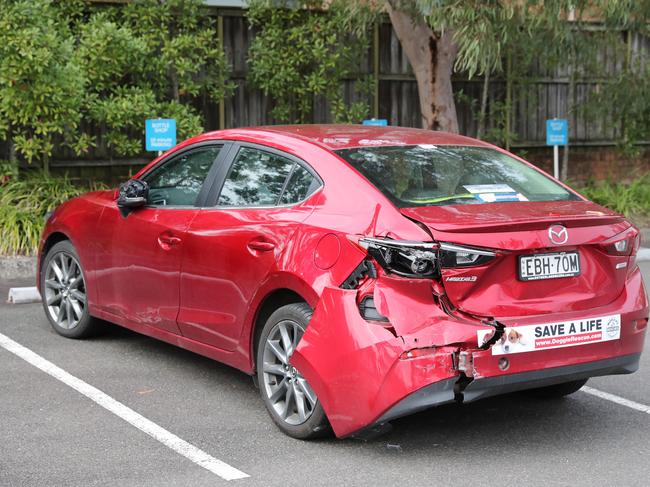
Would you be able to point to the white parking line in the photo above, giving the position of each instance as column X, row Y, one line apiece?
column 168, row 439
column 617, row 399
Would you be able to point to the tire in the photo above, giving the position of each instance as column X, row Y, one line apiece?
column 558, row 390
column 280, row 383
column 63, row 293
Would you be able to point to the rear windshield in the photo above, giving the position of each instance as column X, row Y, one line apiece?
column 425, row 175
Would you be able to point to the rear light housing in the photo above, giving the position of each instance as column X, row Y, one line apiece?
column 624, row 244
column 423, row 259
column 452, row 255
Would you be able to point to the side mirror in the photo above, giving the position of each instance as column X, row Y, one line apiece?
column 133, row 194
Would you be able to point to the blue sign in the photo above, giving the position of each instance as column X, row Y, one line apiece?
column 381, row 122
column 557, row 131
column 160, row 134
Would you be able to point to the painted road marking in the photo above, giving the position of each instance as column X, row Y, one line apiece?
column 617, row 399
column 159, row 433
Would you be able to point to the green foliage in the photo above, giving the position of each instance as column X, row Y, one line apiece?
column 626, row 98
column 68, row 66
column 8, row 170
column 41, row 85
column 184, row 57
column 23, row 205
column 150, row 59
column 302, row 50
column 631, row 199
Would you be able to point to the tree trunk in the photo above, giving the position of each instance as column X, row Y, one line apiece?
column 484, row 99
column 432, row 57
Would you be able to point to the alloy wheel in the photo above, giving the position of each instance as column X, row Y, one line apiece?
column 65, row 290
column 287, row 390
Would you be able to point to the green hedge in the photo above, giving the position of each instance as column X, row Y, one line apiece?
column 24, row 202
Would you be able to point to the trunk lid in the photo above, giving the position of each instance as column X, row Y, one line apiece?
column 518, row 229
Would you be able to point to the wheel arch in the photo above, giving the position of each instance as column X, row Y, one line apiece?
column 51, row 240
column 273, row 300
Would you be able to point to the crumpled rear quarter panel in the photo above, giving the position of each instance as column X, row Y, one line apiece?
column 354, row 366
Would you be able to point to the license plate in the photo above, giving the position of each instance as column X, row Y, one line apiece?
column 549, row 266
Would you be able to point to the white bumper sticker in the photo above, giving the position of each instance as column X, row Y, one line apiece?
column 529, row 338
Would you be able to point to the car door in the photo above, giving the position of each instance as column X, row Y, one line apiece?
column 140, row 266
column 233, row 247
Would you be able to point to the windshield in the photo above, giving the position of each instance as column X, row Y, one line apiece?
column 425, row 175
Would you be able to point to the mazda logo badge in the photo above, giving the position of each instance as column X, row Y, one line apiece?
column 558, row 234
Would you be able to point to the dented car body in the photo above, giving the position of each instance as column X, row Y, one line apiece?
column 439, row 269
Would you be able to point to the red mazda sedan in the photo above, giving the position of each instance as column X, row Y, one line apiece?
column 358, row 273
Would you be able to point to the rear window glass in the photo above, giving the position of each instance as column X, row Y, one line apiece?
column 425, row 175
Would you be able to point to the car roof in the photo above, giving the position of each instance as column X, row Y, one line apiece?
column 339, row 136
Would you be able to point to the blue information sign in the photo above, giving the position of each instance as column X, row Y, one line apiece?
column 160, row 134
column 557, row 131
column 382, row 122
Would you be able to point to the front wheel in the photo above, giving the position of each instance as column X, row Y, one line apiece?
column 557, row 390
column 63, row 292
column 288, row 397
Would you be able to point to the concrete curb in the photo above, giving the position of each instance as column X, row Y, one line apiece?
column 23, row 295
column 18, row 267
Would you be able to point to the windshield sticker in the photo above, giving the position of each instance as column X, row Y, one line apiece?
column 496, row 197
column 488, row 188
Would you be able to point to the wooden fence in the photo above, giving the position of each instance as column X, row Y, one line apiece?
column 545, row 95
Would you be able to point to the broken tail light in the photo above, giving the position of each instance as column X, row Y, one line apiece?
column 406, row 258
column 422, row 259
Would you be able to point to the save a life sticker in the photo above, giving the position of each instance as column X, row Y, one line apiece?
column 530, row 338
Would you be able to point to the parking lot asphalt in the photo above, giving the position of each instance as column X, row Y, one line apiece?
column 52, row 435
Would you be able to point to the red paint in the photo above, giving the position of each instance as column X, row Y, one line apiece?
column 328, row 250
column 197, row 277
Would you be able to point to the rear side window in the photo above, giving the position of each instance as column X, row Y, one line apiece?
column 259, row 178
column 301, row 184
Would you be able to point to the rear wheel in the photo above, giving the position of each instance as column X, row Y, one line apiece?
column 63, row 292
column 288, row 397
column 558, row 390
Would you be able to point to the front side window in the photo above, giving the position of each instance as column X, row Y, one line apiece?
column 256, row 178
column 425, row 175
column 179, row 181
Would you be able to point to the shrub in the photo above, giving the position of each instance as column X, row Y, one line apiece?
column 24, row 202
column 631, row 199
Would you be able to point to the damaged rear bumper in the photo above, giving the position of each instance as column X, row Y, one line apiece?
column 451, row 390
column 493, row 386
column 363, row 374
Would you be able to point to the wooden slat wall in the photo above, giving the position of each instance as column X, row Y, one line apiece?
column 543, row 96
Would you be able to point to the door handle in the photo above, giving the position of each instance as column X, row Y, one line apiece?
column 261, row 245
column 166, row 241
